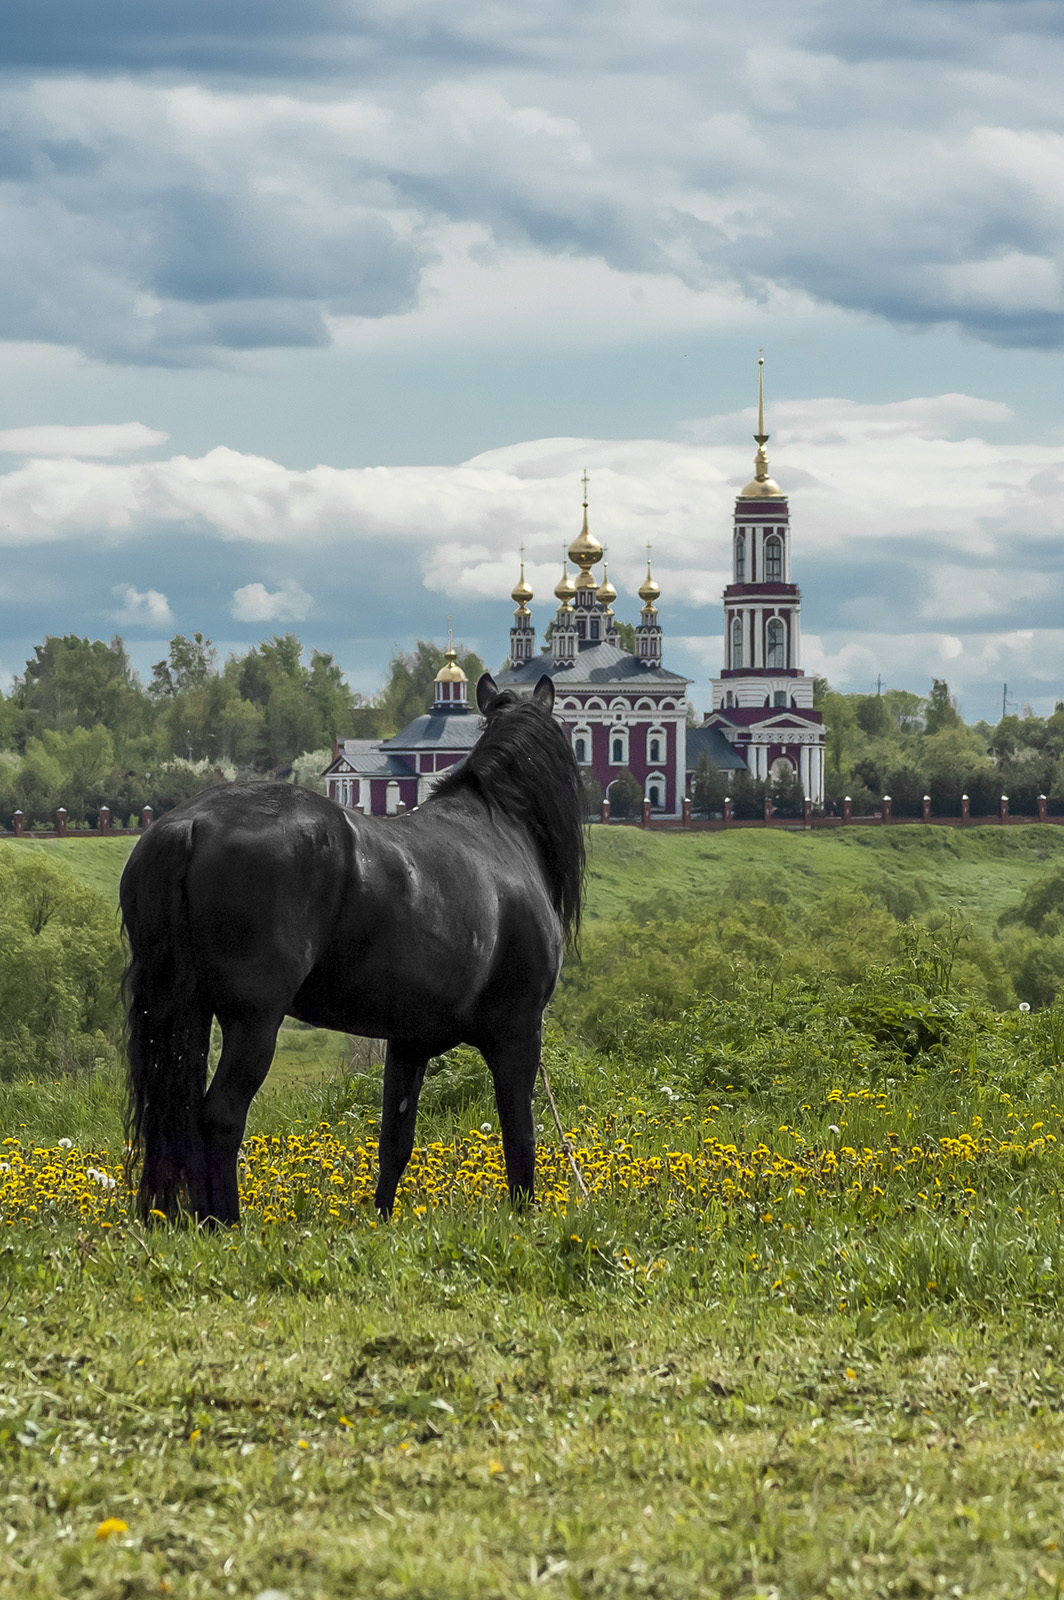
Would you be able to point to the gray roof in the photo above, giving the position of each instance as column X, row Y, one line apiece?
column 436, row 730
column 369, row 763
column 710, row 742
column 602, row 663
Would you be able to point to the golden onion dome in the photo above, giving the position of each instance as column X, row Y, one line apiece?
column 585, row 549
column 521, row 593
column 451, row 672
column 648, row 590
column 606, row 593
column 565, row 587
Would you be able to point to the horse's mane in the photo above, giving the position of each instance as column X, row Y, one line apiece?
column 522, row 765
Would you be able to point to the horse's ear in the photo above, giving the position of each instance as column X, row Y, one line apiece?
column 487, row 691
column 543, row 693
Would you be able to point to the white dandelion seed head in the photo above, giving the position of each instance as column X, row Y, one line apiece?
column 65, row 1144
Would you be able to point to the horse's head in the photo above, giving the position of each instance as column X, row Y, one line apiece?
column 491, row 699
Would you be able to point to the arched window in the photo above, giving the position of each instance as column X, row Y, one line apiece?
column 655, row 751
column 581, row 751
column 773, row 560
column 655, row 797
column 618, row 752
column 737, row 642
column 740, row 558
column 775, row 652
column 391, row 798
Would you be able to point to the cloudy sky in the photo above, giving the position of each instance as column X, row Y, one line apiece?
column 312, row 315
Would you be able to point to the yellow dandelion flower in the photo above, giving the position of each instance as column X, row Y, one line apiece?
column 109, row 1526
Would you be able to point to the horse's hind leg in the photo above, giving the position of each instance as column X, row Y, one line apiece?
column 404, row 1073
column 513, row 1069
column 247, row 1051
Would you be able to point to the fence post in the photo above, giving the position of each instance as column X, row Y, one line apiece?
column 966, row 809
column 807, row 810
column 19, row 822
column 1004, row 810
column 886, row 808
column 147, row 817
column 103, row 822
column 1041, row 808
column 400, row 808
column 927, row 808
column 847, row 808
column 768, row 809
column 61, row 822
column 605, row 811
column 727, row 809
column 685, row 811
column 646, row 813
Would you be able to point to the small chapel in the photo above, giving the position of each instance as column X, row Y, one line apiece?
column 624, row 710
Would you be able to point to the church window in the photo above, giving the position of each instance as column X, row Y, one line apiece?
column 775, row 652
column 581, row 751
column 779, row 698
column 655, row 797
column 773, row 560
column 619, row 747
column 740, row 558
column 594, row 628
column 655, row 750
column 737, row 642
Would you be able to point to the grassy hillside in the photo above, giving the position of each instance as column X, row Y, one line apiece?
column 979, row 871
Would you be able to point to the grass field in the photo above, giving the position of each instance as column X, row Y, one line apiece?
column 805, row 1340
column 979, row 871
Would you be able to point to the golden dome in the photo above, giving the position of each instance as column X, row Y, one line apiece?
column 761, row 486
column 565, row 587
column 648, row 590
column 606, row 593
column 521, row 593
column 451, row 672
column 585, row 549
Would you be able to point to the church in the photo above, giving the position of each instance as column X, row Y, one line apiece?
column 624, row 710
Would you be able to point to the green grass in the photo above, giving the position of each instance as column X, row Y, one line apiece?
column 97, row 863
column 803, row 1392
column 979, row 871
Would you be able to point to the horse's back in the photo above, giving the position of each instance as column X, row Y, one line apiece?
column 253, row 873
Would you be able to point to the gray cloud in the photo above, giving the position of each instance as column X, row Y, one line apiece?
column 179, row 189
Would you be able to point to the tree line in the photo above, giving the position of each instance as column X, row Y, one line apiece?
column 80, row 729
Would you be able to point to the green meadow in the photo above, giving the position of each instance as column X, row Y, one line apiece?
column 806, row 1339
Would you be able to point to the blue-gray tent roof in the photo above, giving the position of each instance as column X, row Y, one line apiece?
column 435, row 730
column 710, row 742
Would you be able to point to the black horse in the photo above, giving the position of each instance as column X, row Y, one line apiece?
column 445, row 926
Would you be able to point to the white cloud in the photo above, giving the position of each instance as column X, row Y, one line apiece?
column 142, row 609
column 255, row 603
column 89, row 439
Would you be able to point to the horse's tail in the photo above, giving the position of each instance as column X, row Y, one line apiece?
column 168, row 1022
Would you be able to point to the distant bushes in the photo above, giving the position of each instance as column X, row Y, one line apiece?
column 60, row 970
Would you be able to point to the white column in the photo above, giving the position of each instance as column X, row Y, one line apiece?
column 804, row 770
column 796, row 629
column 757, row 624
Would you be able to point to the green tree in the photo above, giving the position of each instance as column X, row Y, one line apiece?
column 941, row 708
column 78, row 683
column 190, row 663
column 625, row 794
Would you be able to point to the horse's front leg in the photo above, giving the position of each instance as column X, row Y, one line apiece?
column 247, row 1051
column 404, row 1073
column 514, row 1065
